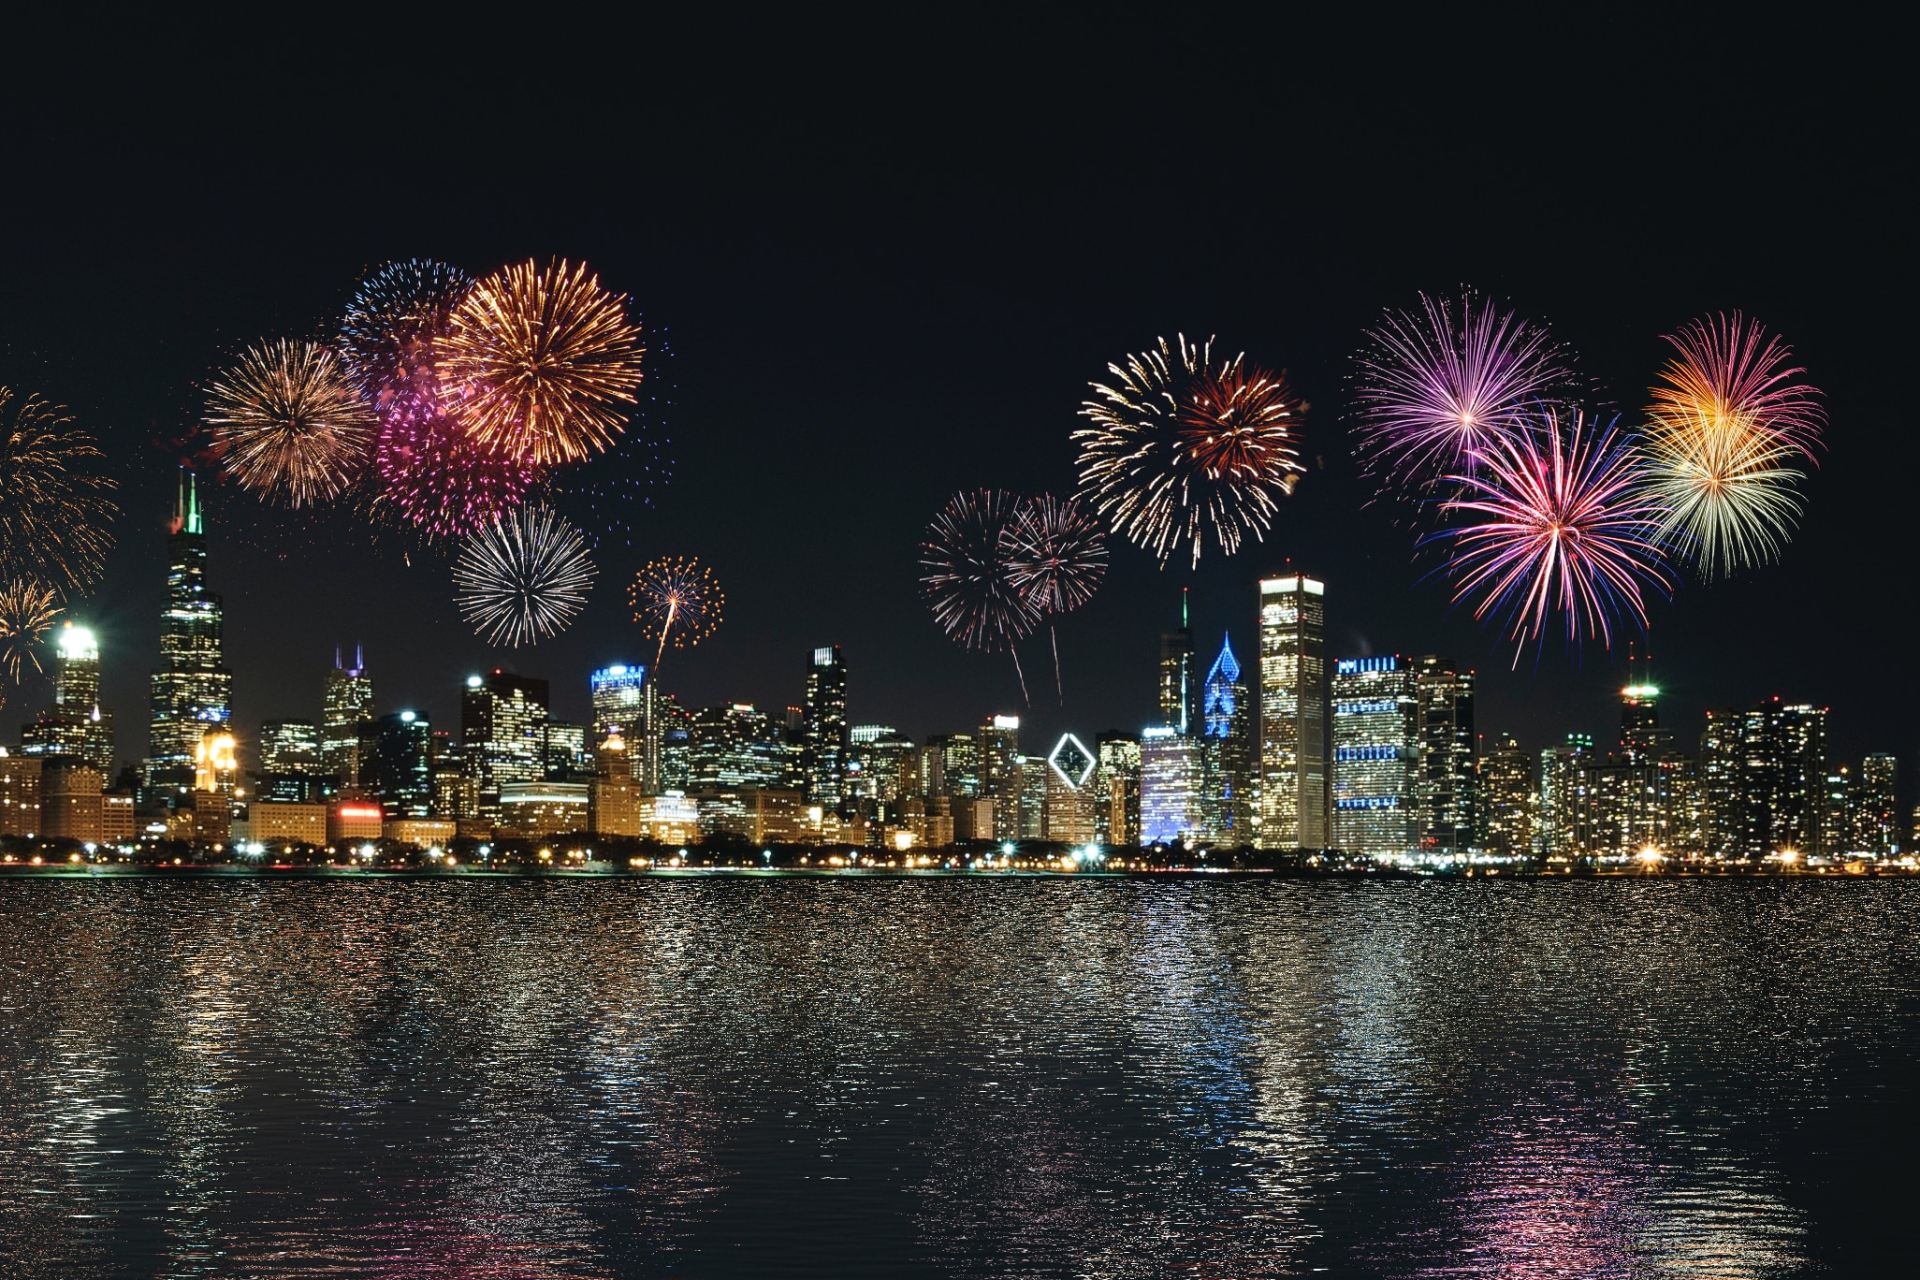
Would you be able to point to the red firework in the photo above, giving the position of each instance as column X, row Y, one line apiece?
column 439, row 479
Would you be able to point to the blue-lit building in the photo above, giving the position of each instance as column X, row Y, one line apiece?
column 1376, row 756
column 1173, row 786
column 1227, row 721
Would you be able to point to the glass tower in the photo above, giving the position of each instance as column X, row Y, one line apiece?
column 1227, row 722
column 346, row 711
column 1376, row 757
column 1294, row 791
column 192, row 688
column 824, row 728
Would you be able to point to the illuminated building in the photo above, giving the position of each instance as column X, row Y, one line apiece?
column 883, row 765
column 503, row 720
column 192, row 687
column 290, row 747
column 421, row 833
column 19, row 794
column 1176, row 673
column 1763, row 772
column 1295, row 791
column 671, row 818
column 563, row 748
column 1070, row 794
column 1876, row 807
column 76, row 724
column 216, row 763
column 71, row 806
column 1837, row 801
column 824, row 728
column 1173, row 785
column 1507, row 794
column 350, row 822
column 1227, row 721
column 619, row 702
column 535, row 810
column 1562, row 817
column 999, row 753
column 400, row 770
column 950, row 766
column 1117, row 815
column 1721, row 765
column 760, row 815
column 456, row 794
column 1446, row 796
column 118, row 823
column 1376, row 757
column 1029, row 790
column 615, row 795
column 346, row 711
column 972, row 817
column 282, row 823
column 734, row 746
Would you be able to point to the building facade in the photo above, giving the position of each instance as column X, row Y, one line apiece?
column 1295, row 778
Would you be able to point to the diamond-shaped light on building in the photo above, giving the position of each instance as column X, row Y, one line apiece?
column 1072, row 761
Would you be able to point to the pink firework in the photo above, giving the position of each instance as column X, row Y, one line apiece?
column 1731, row 376
column 1556, row 519
column 441, row 481
column 1437, row 384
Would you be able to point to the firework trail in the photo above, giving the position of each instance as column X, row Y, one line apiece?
column 56, row 508
column 438, row 480
column 1182, row 447
column 1435, row 384
column 1556, row 519
column 287, row 424
column 522, row 579
column 1056, row 556
column 967, row 581
column 677, row 597
column 397, row 314
column 27, row 611
column 541, row 363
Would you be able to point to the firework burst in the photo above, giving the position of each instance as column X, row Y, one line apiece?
column 967, row 579
column 677, row 599
column 1183, row 448
column 288, row 425
column 27, row 611
column 1435, row 384
column 541, row 362
column 1732, row 375
column 1556, row 519
column 523, row 578
column 1730, row 494
column 397, row 314
column 1056, row 556
column 56, row 508
column 439, row 480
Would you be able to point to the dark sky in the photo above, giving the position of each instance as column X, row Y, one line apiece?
column 889, row 261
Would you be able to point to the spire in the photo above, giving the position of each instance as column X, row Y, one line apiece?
column 1184, row 624
column 193, row 504
column 359, row 659
column 336, row 657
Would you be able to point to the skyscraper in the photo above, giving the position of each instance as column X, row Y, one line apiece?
column 1117, row 818
column 401, row 770
column 1506, row 793
column 619, row 703
column 192, row 688
column 824, row 728
column 346, row 713
column 1378, row 805
column 1177, row 691
column 998, row 760
column 736, row 745
column 1771, row 789
column 503, row 721
column 1561, row 820
column 1173, row 786
column 1876, row 807
column 1446, row 793
column 76, row 724
column 1227, row 722
column 1294, row 781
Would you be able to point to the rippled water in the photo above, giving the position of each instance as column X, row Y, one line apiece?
column 840, row 1077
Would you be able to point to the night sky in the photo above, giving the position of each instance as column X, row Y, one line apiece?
column 888, row 261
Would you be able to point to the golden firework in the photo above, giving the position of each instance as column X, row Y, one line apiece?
column 288, row 424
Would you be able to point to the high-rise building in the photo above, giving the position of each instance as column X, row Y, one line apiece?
column 1377, row 774
column 563, row 749
column 1117, row 816
column 1177, row 691
column 950, row 766
column 824, row 728
column 1447, row 798
column 614, row 795
column 883, row 766
column 619, row 702
column 76, row 724
column 503, row 720
column 20, row 794
column 401, row 769
column 346, row 713
column 1173, row 786
column 71, row 806
column 1768, row 780
column 1227, row 721
column 1562, row 818
column 1070, row 792
column 733, row 746
column 1295, row 793
column 1837, row 818
column 192, row 687
column 1876, row 807
column 290, row 747
column 1507, row 792
column 998, row 759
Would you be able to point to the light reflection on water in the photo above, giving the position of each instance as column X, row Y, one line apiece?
column 498, row 1079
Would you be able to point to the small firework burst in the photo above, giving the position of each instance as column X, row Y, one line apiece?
column 523, row 578
column 1056, row 553
column 27, row 611
column 677, row 600
column 1184, row 449
column 56, row 505
column 966, row 577
column 541, row 363
column 398, row 312
column 288, row 425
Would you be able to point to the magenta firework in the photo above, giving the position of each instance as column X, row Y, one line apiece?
column 1436, row 383
column 437, row 478
column 1555, row 519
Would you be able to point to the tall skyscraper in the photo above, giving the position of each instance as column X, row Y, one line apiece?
column 1173, row 786
column 1377, row 775
column 1876, row 807
column 824, row 728
column 1561, row 820
column 1227, row 722
column 1294, row 778
column 76, row 724
column 1771, row 790
column 290, row 747
column 619, row 704
column 950, row 766
column 1507, row 796
column 998, row 759
column 1117, row 818
column 1177, row 692
column 736, row 745
column 503, row 720
column 401, row 770
column 346, row 713
column 192, row 688
column 1446, row 794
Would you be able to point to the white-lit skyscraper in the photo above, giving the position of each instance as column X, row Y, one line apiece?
column 824, row 728
column 1376, row 757
column 1294, row 778
column 1173, row 786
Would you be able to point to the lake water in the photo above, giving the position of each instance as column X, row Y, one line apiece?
column 956, row 1077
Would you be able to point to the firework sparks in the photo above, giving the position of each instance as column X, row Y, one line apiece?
column 438, row 479
column 676, row 598
column 1183, row 447
column 397, row 314
column 1056, row 556
column 27, row 611
column 1731, row 374
column 1730, row 494
column 523, row 578
column 967, row 580
column 541, row 363
column 288, row 425
column 56, row 509
column 1557, row 520
column 1436, row 384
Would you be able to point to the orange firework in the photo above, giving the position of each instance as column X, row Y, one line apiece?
column 541, row 363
